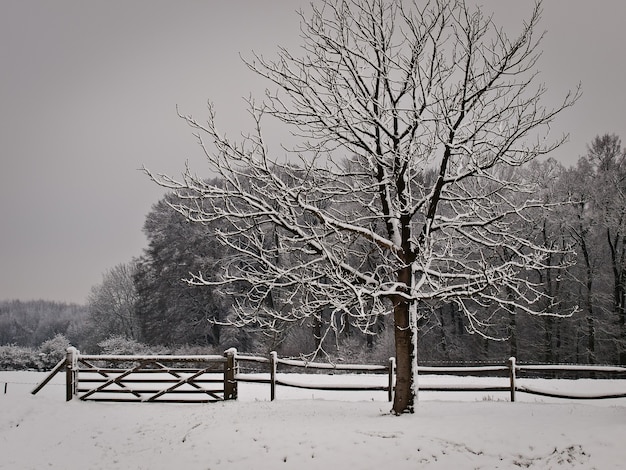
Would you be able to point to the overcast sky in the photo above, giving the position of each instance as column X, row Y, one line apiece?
column 89, row 89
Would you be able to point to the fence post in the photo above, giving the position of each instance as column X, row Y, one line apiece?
column 71, row 372
column 273, row 365
column 392, row 368
column 512, row 371
column 230, row 369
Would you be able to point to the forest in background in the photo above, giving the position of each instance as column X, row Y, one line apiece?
column 146, row 304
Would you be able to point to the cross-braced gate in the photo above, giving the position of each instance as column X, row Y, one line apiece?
column 176, row 379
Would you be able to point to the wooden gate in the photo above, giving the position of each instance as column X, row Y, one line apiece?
column 176, row 379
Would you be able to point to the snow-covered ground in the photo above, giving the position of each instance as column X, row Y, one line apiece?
column 305, row 429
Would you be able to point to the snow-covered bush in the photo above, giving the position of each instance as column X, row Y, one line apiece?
column 52, row 351
column 14, row 357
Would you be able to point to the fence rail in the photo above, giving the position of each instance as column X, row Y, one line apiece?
column 152, row 378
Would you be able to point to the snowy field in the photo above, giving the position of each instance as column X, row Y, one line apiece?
column 305, row 429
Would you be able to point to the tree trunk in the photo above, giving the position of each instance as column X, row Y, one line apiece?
column 548, row 339
column 557, row 348
column 591, row 340
column 619, row 291
column 622, row 340
column 404, row 397
column 589, row 301
column 444, row 339
column 513, row 335
column 591, row 336
column 317, row 332
column 621, row 312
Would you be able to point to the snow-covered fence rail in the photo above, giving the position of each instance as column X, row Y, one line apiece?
column 150, row 378
column 615, row 371
column 273, row 361
column 470, row 386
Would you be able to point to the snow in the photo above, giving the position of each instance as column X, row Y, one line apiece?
column 311, row 429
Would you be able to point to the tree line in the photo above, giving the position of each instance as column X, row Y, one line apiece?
column 30, row 323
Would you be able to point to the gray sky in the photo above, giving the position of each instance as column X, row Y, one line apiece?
column 89, row 89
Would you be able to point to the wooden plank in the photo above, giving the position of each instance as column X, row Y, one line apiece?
column 150, row 371
column 151, row 358
column 259, row 359
column 324, row 365
column 260, row 380
column 205, row 391
column 572, row 367
column 332, row 387
column 60, row 365
column 462, row 388
column 462, row 370
column 136, row 400
column 131, row 380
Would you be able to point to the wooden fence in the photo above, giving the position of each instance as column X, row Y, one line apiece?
column 273, row 362
column 513, row 370
column 213, row 378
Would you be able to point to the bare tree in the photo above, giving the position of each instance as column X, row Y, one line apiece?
column 409, row 118
column 111, row 304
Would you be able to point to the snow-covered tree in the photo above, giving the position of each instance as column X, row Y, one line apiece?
column 409, row 117
column 111, row 304
column 169, row 311
column 598, row 228
column 608, row 163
